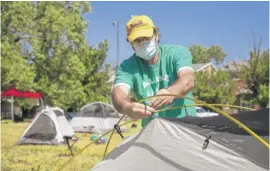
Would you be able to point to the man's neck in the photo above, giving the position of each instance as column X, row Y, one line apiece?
column 154, row 60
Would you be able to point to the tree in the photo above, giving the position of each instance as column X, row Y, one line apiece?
column 213, row 88
column 14, row 69
column 255, row 73
column 201, row 54
column 95, row 81
column 216, row 53
column 45, row 43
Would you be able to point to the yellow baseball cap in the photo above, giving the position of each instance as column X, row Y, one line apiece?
column 139, row 26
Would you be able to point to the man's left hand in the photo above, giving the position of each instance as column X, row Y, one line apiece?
column 160, row 101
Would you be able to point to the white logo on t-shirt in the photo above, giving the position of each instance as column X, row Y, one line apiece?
column 157, row 79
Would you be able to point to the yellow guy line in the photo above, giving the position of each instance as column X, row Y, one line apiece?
column 222, row 113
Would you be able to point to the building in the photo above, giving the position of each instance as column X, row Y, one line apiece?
column 233, row 68
column 206, row 67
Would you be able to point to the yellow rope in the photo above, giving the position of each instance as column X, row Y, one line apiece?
column 105, row 152
column 106, row 133
column 108, row 143
column 211, row 106
column 191, row 105
column 220, row 112
column 176, row 107
column 226, row 105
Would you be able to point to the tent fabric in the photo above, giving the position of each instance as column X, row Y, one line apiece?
column 16, row 93
column 98, row 109
column 64, row 126
column 97, row 117
column 95, row 125
column 177, row 145
column 47, row 128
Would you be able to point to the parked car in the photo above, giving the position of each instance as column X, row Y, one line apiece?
column 203, row 113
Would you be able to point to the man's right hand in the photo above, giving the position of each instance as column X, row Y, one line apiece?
column 137, row 110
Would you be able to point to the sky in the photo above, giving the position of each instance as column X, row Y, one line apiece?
column 231, row 25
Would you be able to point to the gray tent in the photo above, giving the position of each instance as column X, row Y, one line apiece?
column 185, row 145
column 50, row 126
column 97, row 117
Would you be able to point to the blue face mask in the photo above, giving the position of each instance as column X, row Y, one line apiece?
column 147, row 50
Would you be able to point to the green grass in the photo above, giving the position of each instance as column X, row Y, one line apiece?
column 47, row 157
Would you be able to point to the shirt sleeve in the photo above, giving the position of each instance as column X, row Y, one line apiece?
column 124, row 76
column 183, row 59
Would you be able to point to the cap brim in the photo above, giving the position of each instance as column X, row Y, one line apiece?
column 141, row 33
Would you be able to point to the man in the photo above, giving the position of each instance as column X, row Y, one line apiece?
column 153, row 69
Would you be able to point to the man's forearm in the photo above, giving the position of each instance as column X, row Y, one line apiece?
column 182, row 85
column 120, row 100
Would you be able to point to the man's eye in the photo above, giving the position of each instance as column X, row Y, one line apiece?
column 140, row 41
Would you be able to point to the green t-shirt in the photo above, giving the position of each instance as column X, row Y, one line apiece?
column 145, row 80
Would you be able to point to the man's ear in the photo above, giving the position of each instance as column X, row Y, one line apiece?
column 157, row 35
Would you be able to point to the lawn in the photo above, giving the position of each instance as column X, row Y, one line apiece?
column 46, row 157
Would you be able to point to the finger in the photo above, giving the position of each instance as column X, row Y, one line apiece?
column 162, row 103
column 143, row 112
column 169, row 102
column 139, row 116
column 156, row 102
column 145, row 107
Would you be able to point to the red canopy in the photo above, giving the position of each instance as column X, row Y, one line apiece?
column 17, row 93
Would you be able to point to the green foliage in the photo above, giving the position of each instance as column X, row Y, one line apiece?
column 213, row 88
column 256, row 75
column 44, row 49
column 14, row 69
column 201, row 54
column 216, row 53
column 263, row 95
column 94, row 82
column 216, row 87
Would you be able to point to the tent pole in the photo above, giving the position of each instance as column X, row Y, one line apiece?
column 12, row 108
column 41, row 101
